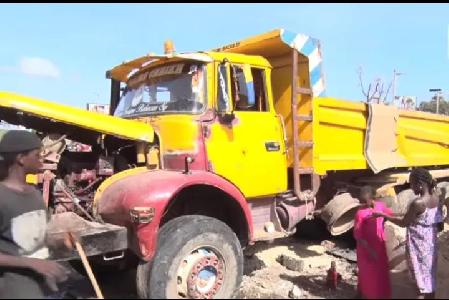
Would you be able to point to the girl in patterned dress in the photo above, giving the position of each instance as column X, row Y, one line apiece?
column 423, row 221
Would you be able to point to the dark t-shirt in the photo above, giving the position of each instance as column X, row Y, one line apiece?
column 23, row 223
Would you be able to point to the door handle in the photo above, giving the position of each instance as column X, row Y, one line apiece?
column 272, row 146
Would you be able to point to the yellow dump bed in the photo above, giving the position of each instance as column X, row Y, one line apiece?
column 345, row 135
column 351, row 135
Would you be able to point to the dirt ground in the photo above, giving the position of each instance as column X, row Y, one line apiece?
column 265, row 277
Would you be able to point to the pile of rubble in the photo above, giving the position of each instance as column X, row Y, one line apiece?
column 295, row 269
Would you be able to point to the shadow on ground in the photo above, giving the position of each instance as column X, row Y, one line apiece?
column 120, row 285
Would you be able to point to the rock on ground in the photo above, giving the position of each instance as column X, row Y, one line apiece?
column 295, row 293
column 291, row 263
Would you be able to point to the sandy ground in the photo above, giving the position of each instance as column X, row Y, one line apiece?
column 265, row 277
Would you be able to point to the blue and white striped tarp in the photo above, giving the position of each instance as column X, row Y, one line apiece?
column 310, row 48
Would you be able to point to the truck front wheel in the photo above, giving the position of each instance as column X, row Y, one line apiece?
column 197, row 257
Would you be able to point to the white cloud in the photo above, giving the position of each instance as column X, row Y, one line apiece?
column 38, row 67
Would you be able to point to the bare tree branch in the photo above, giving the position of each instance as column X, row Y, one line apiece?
column 368, row 98
column 388, row 91
column 381, row 91
column 360, row 71
column 376, row 90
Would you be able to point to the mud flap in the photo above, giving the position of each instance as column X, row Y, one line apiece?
column 381, row 150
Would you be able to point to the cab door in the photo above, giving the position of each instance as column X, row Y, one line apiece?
column 246, row 146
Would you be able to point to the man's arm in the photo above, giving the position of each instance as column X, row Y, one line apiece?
column 14, row 261
column 41, row 266
column 50, row 270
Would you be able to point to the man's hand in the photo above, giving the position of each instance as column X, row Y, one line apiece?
column 50, row 270
column 69, row 241
column 62, row 241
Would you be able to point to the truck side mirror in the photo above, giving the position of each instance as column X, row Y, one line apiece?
column 224, row 107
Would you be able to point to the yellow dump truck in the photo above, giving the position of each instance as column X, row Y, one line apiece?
column 206, row 153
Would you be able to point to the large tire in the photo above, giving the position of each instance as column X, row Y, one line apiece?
column 186, row 240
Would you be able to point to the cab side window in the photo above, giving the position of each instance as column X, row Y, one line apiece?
column 247, row 95
column 260, row 89
column 239, row 89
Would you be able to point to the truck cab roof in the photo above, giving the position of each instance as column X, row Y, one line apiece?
column 124, row 71
column 256, row 50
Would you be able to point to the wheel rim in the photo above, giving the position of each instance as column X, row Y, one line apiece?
column 200, row 274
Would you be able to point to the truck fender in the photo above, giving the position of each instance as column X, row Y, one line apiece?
column 155, row 189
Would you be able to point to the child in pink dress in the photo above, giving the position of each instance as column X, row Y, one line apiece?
column 372, row 260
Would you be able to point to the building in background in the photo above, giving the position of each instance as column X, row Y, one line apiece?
column 99, row 108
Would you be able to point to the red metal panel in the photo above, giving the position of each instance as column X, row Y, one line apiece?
column 156, row 189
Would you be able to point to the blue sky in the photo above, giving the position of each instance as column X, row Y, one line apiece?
column 61, row 52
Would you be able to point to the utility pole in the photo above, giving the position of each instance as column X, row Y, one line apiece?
column 394, row 85
column 438, row 101
column 437, row 96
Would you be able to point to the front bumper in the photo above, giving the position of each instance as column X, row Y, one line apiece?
column 95, row 238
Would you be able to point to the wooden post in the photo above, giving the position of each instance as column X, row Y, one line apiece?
column 86, row 265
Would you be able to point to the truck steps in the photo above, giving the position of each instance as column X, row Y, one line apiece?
column 304, row 144
column 301, row 172
column 304, row 118
column 305, row 171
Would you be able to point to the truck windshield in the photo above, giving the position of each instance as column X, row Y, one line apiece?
column 174, row 88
